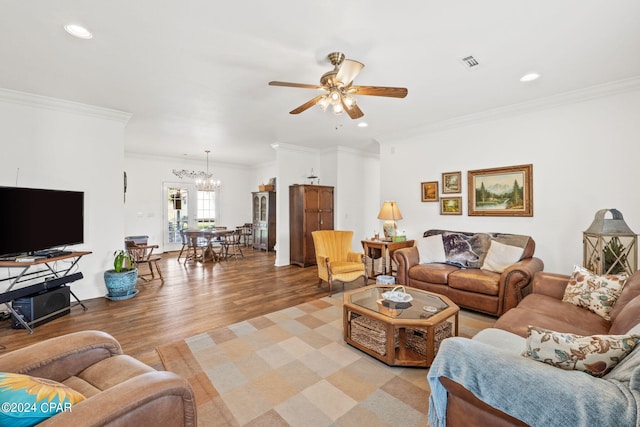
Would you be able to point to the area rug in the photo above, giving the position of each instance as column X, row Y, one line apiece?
column 293, row 368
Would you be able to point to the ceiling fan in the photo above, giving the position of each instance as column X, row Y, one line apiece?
column 340, row 90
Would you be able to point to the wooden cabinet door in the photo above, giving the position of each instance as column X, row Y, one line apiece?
column 325, row 208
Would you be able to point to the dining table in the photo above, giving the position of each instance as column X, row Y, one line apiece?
column 207, row 240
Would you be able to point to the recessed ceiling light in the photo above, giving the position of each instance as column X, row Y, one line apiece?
column 529, row 77
column 363, row 124
column 78, row 31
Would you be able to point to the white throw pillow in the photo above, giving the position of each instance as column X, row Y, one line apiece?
column 431, row 249
column 501, row 256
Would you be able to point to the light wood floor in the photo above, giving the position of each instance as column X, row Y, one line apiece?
column 193, row 298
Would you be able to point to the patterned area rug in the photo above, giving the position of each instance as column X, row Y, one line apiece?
column 293, row 368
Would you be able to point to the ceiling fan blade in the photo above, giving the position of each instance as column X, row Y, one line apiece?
column 307, row 105
column 301, row 85
column 348, row 71
column 353, row 111
column 393, row 92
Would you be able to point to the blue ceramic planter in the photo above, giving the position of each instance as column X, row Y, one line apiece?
column 121, row 285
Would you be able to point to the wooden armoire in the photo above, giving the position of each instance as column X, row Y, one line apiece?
column 264, row 220
column 310, row 209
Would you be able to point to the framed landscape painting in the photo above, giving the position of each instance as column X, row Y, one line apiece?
column 429, row 191
column 451, row 182
column 506, row 191
column 451, row 206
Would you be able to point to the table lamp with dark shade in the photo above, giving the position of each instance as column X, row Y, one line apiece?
column 389, row 212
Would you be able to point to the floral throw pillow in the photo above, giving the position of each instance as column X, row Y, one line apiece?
column 596, row 355
column 596, row 293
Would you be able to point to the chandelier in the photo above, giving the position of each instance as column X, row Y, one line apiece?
column 204, row 180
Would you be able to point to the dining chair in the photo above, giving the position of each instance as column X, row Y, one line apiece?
column 246, row 233
column 197, row 245
column 185, row 243
column 143, row 254
column 231, row 245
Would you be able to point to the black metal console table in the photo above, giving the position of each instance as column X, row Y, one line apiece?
column 51, row 275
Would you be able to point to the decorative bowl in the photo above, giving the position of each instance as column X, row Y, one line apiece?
column 396, row 295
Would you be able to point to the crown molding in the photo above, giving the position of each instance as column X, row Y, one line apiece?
column 324, row 150
column 182, row 160
column 565, row 98
column 55, row 104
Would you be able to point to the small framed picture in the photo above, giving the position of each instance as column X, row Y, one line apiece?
column 429, row 191
column 451, row 206
column 451, row 182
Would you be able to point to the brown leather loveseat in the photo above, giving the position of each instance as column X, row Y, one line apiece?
column 461, row 269
column 119, row 390
column 543, row 308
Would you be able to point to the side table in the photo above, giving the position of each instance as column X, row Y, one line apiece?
column 386, row 248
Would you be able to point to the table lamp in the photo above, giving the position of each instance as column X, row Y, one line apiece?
column 389, row 212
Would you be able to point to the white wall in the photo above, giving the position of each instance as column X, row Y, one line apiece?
column 585, row 157
column 67, row 146
column 349, row 171
column 145, row 200
column 356, row 199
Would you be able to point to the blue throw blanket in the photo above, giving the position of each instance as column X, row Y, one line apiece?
column 536, row 393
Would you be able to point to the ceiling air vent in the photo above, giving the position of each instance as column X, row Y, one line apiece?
column 470, row 63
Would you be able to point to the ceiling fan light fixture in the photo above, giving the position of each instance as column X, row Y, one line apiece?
column 335, row 96
column 337, row 108
column 324, row 103
column 349, row 100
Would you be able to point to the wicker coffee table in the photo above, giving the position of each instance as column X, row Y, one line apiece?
column 399, row 334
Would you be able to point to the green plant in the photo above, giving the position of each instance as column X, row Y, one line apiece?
column 615, row 258
column 122, row 261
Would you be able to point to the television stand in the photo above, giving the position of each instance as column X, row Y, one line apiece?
column 50, row 253
column 60, row 276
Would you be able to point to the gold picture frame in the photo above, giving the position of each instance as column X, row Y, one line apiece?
column 505, row 191
column 451, row 182
column 451, row 205
column 429, row 191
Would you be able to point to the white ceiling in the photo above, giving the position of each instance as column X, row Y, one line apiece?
column 194, row 73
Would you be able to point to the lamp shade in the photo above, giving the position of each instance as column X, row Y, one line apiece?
column 389, row 211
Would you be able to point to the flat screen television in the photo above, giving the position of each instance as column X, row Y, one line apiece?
column 34, row 219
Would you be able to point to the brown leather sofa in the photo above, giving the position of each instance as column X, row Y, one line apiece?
column 119, row 390
column 473, row 288
column 543, row 308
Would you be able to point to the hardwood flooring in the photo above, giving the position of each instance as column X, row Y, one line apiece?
column 192, row 299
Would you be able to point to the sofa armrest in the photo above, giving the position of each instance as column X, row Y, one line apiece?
column 61, row 357
column 322, row 261
column 355, row 257
column 155, row 398
column 533, row 392
column 515, row 281
column 405, row 258
column 465, row 409
column 550, row 284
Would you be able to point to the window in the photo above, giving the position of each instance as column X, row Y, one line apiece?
column 206, row 212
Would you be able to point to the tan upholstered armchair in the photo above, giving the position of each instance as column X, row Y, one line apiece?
column 336, row 261
column 119, row 390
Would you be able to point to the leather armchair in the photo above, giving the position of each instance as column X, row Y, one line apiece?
column 119, row 390
column 336, row 261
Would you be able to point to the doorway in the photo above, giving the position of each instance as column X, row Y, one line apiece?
column 179, row 207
